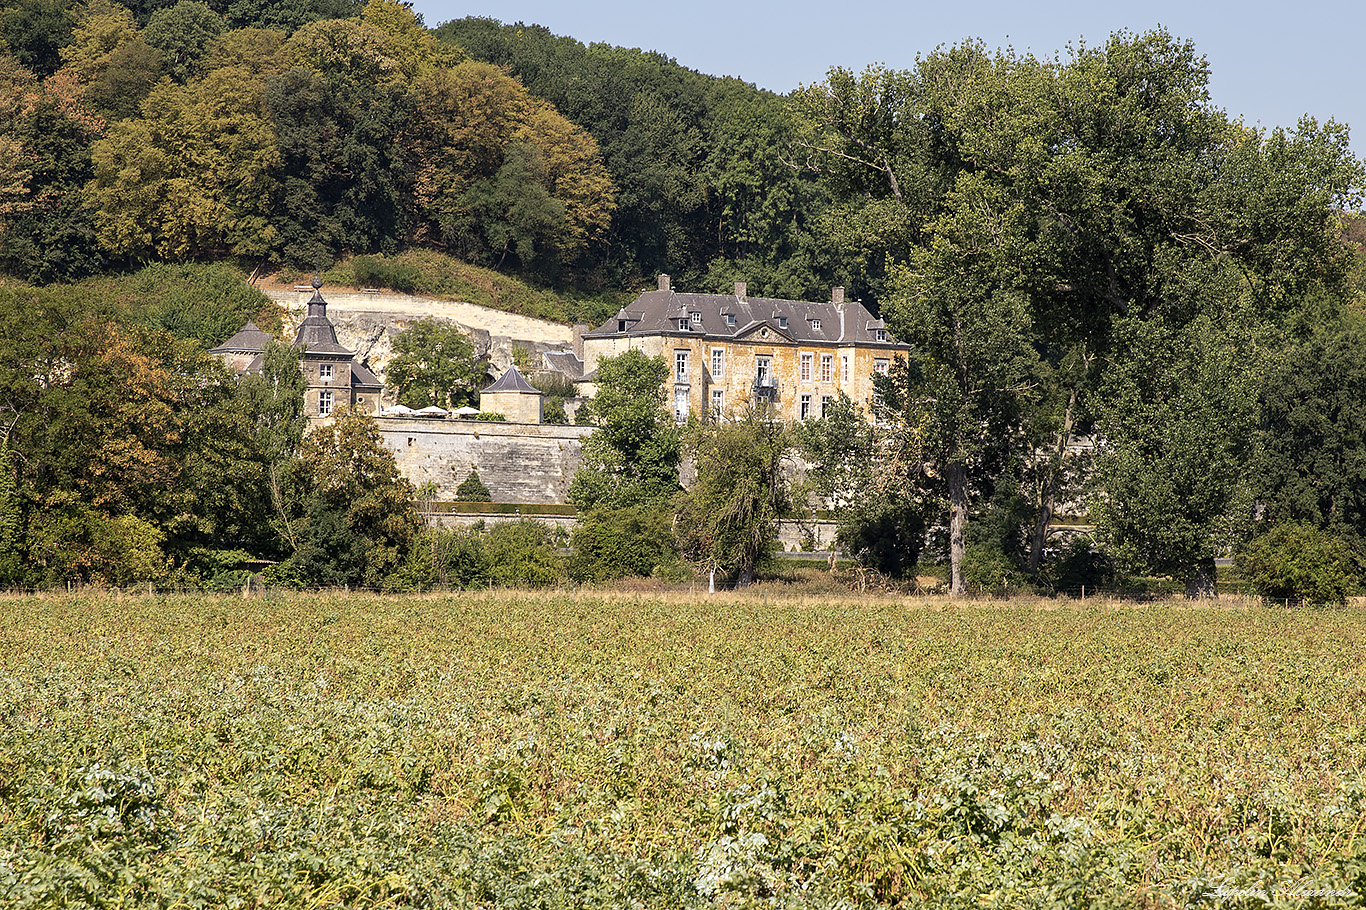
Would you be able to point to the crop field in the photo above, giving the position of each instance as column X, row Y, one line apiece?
column 643, row 750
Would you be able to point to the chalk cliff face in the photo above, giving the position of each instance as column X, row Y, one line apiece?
column 367, row 324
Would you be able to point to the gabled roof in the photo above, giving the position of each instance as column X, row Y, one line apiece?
column 567, row 363
column 513, row 381
column 361, row 377
column 662, row 311
column 248, row 340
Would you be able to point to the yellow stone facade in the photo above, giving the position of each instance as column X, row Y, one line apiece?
column 714, row 372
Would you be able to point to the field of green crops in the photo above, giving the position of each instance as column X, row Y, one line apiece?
column 614, row 750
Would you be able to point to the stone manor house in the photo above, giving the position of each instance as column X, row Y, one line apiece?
column 727, row 351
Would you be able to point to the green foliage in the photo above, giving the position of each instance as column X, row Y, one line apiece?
column 673, row 752
column 1298, row 562
column 442, row 558
column 436, row 274
column 130, row 445
column 883, row 532
column 1081, row 567
column 1309, row 458
column 702, row 186
column 183, row 33
column 205, row 303
column 47, row 232
column 632, row 456
column 727, row 521
column 36, row 31
column 355, row 520
column 1171, row 477
column 557, row 388
column 472, row 489
column 286, row 15
column 620, row 542
column 193, row 177
column 435, row 363
column 11, row 520
column 491, row 417
column 880, row 518
column 373, row 271
column 522, row 554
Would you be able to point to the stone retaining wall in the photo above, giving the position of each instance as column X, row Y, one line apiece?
column 518, row 462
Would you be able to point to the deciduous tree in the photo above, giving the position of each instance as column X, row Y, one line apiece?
column 727, row 521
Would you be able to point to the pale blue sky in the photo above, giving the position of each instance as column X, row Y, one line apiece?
column 1271, row 62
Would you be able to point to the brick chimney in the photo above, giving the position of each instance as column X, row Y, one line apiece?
column 837, row 295
column 740, row 289
column 578, row 330
column 663, row 282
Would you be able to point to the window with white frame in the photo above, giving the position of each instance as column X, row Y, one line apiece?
column 718, row 402
column 718, row 363
column 325, row 372
column 697, row 318
column 825, row 405
column 680, row 405
column 806, row 407
column 682, row 325
column 806, row 368
column 815, row 323
column 324, row 402
column 881, row 334
column 761, row 368
column 827, row 366
column 730, row 319
column 680, row 366
column 880, row 366
column 782, row 322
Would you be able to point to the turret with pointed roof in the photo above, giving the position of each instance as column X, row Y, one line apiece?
column 513, row 397
column 332, row 376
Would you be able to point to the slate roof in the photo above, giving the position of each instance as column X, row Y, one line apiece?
column 512, row 381
column 659, row 312
column 565, row 362
column 248, row 340
column 316, row 334
column 361, row 377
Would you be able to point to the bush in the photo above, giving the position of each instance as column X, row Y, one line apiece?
column 988, row 570
column 616, row 543
column 1081, row 566
column 445, row 558
column 1299, row 563
column 371, row 272
column 472, row 489
column 523, row 553
column 883, row 534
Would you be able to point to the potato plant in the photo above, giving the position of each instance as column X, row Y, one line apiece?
column 507, row 749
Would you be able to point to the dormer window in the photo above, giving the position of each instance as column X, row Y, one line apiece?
column 730, row 319
column 881, row 334
column 815, row 323
column 621, row 325
column 782, row 322
column 696, row 318
column 682, row 325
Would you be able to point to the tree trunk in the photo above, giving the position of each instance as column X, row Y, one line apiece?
column 957, row 476
column 1201, row 584
column 745, row 577
column 1048, row 492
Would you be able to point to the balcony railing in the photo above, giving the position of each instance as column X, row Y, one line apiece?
column 766, row 388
